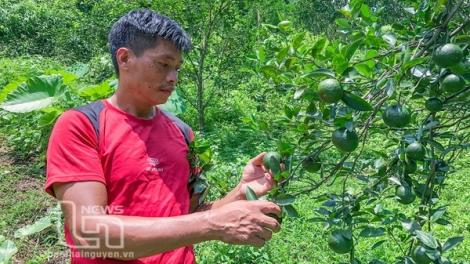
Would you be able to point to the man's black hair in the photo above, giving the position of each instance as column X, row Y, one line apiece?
column 140, row 30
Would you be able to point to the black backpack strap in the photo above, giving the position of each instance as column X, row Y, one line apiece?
column 185, row 129
column 92, row 112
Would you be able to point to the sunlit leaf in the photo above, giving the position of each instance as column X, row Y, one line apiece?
column 36, row 93
column 343, row 22
column 284, row 199
column 427, row 239
column 451, row 243
column 175, row 104
column 390, row 38
column 372, row 232
column 7, row 250
column 37, row 226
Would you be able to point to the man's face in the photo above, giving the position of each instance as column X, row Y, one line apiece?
column 154, row 74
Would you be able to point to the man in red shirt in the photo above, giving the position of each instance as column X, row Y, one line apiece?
column 123, row 191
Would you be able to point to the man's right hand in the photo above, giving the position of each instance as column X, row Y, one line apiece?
column 245, row 222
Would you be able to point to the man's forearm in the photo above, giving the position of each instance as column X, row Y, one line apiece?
column 133, row 237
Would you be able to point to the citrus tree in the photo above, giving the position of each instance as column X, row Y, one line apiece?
column 384, row 108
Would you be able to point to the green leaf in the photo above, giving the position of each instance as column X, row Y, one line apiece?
column 284, row 25
column 175, row 104
column 261, row 55
column 342, row 22
column 427, row 239
column 49, row 118
column 298, row 40
column 284, row 199
column 78, row 69
column 7, row 250
column 97, row 92
column 290, row 210
column 269, row 71
column 351, row 73
column 436, row 145
column 355, row 102
column 318, row 47
column 281, row 55
column 319, row 73
column 36, row 93
column 352, row 48
column 365, row 11
column 410, row 226
column 274, row 165
column 378, row 244
column 390, row 38
column 250, row 194
column 372, row 232
column 451, row 243
column 363, row 69
column 38, row 226
column 414, row 62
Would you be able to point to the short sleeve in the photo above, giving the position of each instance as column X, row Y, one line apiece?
column 72, row 152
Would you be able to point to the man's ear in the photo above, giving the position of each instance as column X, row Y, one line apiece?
column 123, row 55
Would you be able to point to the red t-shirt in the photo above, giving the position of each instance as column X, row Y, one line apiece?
column 142, row 163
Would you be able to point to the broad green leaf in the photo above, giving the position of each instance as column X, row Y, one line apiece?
column 451, row 243
column 431, row 125
column 175, row 104
column 319, row 73
column 37, row 226
column 78, row 69
column 390, row 87
column 284, row 199
column 372, row 232
column 67, row 77
column 390, row 38
column 250, row 194
column 298, row 40
column 10, row 88
column 343, row 22
column 438, row 214
column 36, row 93
column 352, row 49
column 7, row 250
column 274, row 165
column 355, row 102
column 427, row 239
column 365, row 10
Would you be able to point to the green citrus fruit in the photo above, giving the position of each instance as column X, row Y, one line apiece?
column 345, row 140
column 447, row 55
column 396, row 116
column 434, row 104
column 418, row 254
column 405, row 194
column 415, row 151
column 338, row 243
column 311, row 164
column 330, row 91
column 267, row 158
column 452, row 83
column 411, row 167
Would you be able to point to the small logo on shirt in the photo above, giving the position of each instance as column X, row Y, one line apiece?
column 153, row 161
